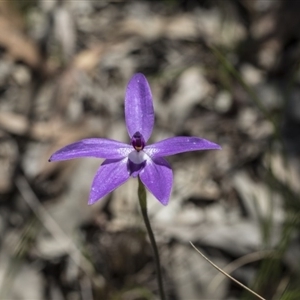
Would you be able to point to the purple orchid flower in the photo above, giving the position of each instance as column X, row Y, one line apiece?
column 137, row 159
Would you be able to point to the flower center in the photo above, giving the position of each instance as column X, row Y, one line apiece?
column 137, row 158
column 137, row 141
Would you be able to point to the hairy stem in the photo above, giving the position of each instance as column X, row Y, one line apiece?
column 143, row 204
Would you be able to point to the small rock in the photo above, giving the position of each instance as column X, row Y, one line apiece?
column 271, row 95
column 22, row 75
column 250, row 74
column 223, row 102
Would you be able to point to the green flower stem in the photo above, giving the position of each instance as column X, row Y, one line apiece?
column 143, row 204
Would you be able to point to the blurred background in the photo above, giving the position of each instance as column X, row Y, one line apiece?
column 227, row 71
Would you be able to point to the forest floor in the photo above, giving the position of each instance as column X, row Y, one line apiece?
column 224, row 71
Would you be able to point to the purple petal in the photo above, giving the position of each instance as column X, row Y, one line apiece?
column 179, row 144
column 157, row 176
column 135, row 169
column 111, row 174
column 101, row 148
column 139, row 113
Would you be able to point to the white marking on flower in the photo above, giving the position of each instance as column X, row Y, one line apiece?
column 137, row 157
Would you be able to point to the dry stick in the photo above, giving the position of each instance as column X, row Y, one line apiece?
column 230, row 277
column 51, row 225
column 246, row 259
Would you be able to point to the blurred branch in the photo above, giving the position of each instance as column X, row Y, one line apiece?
column 54, row 229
